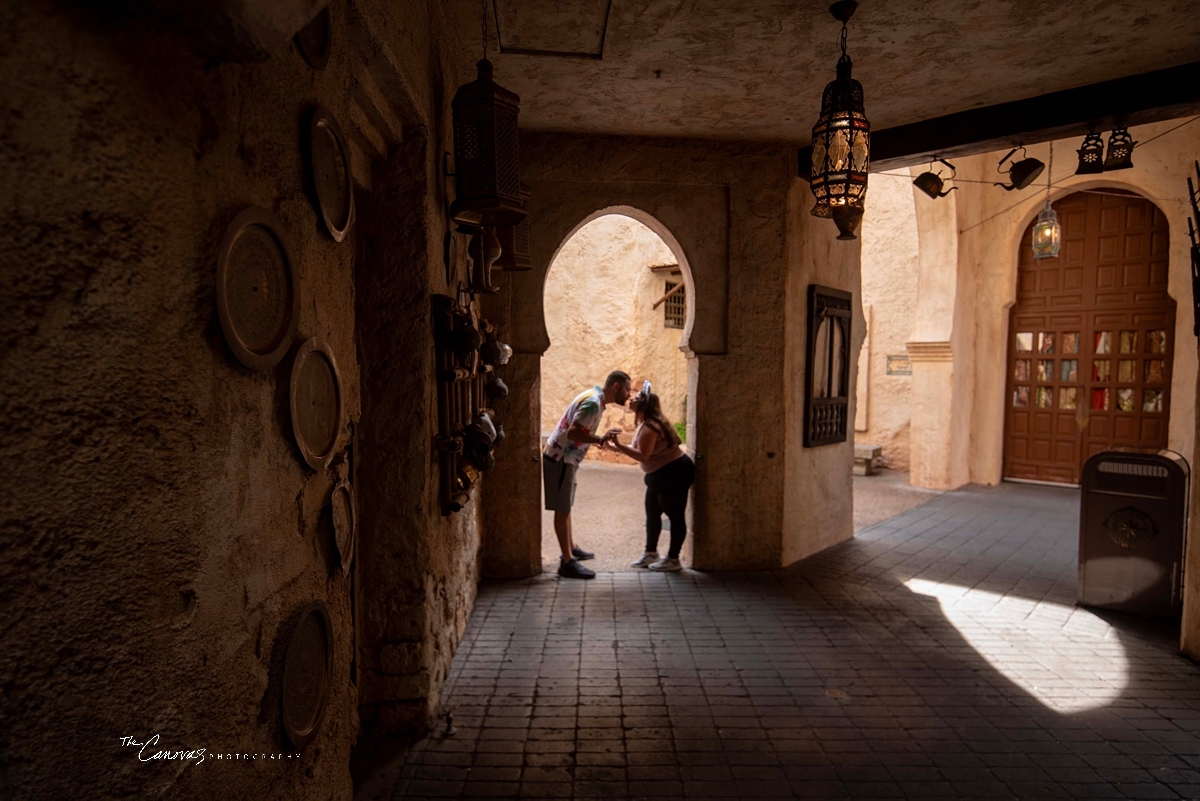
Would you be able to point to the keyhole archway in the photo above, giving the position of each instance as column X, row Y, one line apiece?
column 616, row 296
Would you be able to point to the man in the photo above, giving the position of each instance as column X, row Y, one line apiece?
column 565, row 449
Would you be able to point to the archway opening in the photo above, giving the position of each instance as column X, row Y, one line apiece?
column 617, row 296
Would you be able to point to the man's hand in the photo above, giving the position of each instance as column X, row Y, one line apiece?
column 610, row 436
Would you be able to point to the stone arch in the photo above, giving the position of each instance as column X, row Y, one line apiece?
column 697, row 233
column 663, row 233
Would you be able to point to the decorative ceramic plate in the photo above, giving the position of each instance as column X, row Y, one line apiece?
column 317, row 403
column 345, row 522
column 330, row 162
column 258, row 290
column 315, row 40
column 307, row 674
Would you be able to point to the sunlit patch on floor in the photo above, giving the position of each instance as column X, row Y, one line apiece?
column 1037, row 644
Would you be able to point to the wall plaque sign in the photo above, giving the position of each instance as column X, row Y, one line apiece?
column 318, row 405
column 307, row 673
column 258, row 290
column 329, row 160
column 899, row 365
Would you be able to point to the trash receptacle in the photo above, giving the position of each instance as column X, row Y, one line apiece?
column 1132, row 528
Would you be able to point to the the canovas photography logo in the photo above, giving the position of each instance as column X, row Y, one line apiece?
column 148, row 750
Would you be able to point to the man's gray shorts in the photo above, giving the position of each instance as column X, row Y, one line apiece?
column 558, row 478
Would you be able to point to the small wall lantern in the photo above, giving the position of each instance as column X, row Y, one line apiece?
column 487, row 175
column 841, row 138
column 1120, row 150
column 1091, row 155
column 1022, row 173
column 931, row 183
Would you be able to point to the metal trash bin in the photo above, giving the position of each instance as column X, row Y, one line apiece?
column 1132, row 531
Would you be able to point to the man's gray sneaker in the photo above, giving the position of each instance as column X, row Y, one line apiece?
column 572, row 569
column 647, row 559
column 581, row 554
column 667, row 565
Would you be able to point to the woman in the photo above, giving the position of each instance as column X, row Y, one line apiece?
column 669, row 475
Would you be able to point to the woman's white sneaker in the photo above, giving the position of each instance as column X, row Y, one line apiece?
column 648, row 558
column 667, row 564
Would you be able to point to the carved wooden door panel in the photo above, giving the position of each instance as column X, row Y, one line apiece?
column 1090, row 340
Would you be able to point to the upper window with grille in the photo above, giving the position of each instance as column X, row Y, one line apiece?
column 675, row 307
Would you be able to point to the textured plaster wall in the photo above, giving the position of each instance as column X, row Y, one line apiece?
column 598, row 297
column 818, row 505
column 723, row 209
column 160, row 531
column 890, row 260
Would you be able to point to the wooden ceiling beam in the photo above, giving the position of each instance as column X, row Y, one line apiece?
column 1133, row 100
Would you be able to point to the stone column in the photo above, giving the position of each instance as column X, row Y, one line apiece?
column 939, row 425
column 511, row 499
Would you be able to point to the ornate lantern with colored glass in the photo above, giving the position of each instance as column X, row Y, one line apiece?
column 841, row 142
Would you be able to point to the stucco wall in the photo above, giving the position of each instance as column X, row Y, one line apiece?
column 599, row 293
column 160, row 530
column 889, row 287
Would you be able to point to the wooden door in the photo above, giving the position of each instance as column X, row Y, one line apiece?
column 1091, row 340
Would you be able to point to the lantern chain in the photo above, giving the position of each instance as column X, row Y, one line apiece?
column 485, row 29
column 1049, row 173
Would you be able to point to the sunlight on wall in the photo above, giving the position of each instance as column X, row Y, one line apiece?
column 1022, row 638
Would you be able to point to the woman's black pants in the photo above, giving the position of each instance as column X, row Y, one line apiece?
column 667, row 492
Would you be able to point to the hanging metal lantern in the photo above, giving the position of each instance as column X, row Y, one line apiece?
column 514, row 242
column 1047, row 232
column 1120, row 150
column 841, row 140
column 1091, row 155
column 487, row 175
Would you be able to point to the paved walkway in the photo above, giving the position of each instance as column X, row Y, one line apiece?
column 937, row 655
column 609, row 519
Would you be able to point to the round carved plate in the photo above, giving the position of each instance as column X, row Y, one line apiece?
column 345, row 522
column 330, row 160
column 315, row 40
column 307, row 674
column 317, row 403
column 258, row 290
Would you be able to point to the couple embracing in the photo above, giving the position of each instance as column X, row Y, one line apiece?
column 656, row 447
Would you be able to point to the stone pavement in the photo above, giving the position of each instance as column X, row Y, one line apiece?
column 609, row 519
column 936, row 655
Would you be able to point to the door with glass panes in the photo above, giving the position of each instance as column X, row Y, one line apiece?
column 1091, row 339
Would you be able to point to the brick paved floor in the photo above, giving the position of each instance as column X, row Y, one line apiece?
column 937, row 655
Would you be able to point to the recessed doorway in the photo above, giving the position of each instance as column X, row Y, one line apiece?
column 1091, row 339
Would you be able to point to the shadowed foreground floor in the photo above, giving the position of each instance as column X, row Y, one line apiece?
column 938, row 654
